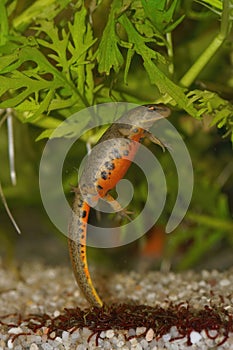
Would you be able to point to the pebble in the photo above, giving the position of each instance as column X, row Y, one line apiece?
column 81, row 347
column 75, row 336
column 151, row 297
column 150, row 335
column 15, row 330
column 133, row 342
column 53, row 335
column 131, row 332
column 195, row 337
column 144, row 343
column 56, row 313
column 102, row 335
column 34, row 346
column 212, row 333
column 10, row 344
column 106, row 345
column 109, row 333
column 225, row 283
column 86, row 332
column 120, row 343
column 18, row 347
column 58, row 339
column 166, row 337
column 47, row 346
column 140, row 330
column 118, row 287
column 155, row 289
column 2, row 345
column 65, row 335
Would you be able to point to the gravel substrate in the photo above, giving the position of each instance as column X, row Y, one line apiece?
column 37, row 289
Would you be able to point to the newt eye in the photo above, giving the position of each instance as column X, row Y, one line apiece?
column 151, row 108
column 135, row 130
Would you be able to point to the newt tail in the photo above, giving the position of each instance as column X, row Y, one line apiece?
column 106, row 165
column 77, row 249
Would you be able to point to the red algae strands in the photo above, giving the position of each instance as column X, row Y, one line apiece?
column 214, row 320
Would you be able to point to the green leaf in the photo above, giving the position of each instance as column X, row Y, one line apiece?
column 69, row 128
column 57, row 44
column 24, row 84
column 81, row 54
column 29, row 81
column 3, row 24
column 129, row 57
column 157, row 77
column 210, row 103
column 108, row 53
column 45, row 134
column 40, row 9
column 161, row 17
column 214, row 5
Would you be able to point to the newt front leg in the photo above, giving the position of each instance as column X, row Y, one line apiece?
column 106, row 165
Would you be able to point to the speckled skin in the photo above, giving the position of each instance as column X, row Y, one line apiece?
column 106, row 165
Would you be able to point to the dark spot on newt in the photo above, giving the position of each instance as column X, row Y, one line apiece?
column 80, row 203
column 99, row 187
column 126, row 152
column 116, row 153
column 109, row 165
column 84, row 214
column 104, row 175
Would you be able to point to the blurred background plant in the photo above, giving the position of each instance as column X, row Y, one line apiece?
column 60, row 56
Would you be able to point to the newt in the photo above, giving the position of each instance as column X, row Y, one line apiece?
column 105, row 166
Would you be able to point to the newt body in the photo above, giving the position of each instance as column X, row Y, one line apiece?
column 105, row 166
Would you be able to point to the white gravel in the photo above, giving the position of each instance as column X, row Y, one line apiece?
column 40, row 289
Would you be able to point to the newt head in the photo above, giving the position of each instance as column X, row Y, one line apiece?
column 152, row 113
column 161, row 109
column 145, row 116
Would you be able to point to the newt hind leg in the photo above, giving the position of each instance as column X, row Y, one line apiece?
column 123, row 213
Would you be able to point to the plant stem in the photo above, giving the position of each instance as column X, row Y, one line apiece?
column 11, row 147
column 8, row 210
column 44, row 123
column 170, row 53
column 215, row 223
column 170, row 49
column 3, row 24
column 205, row 57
